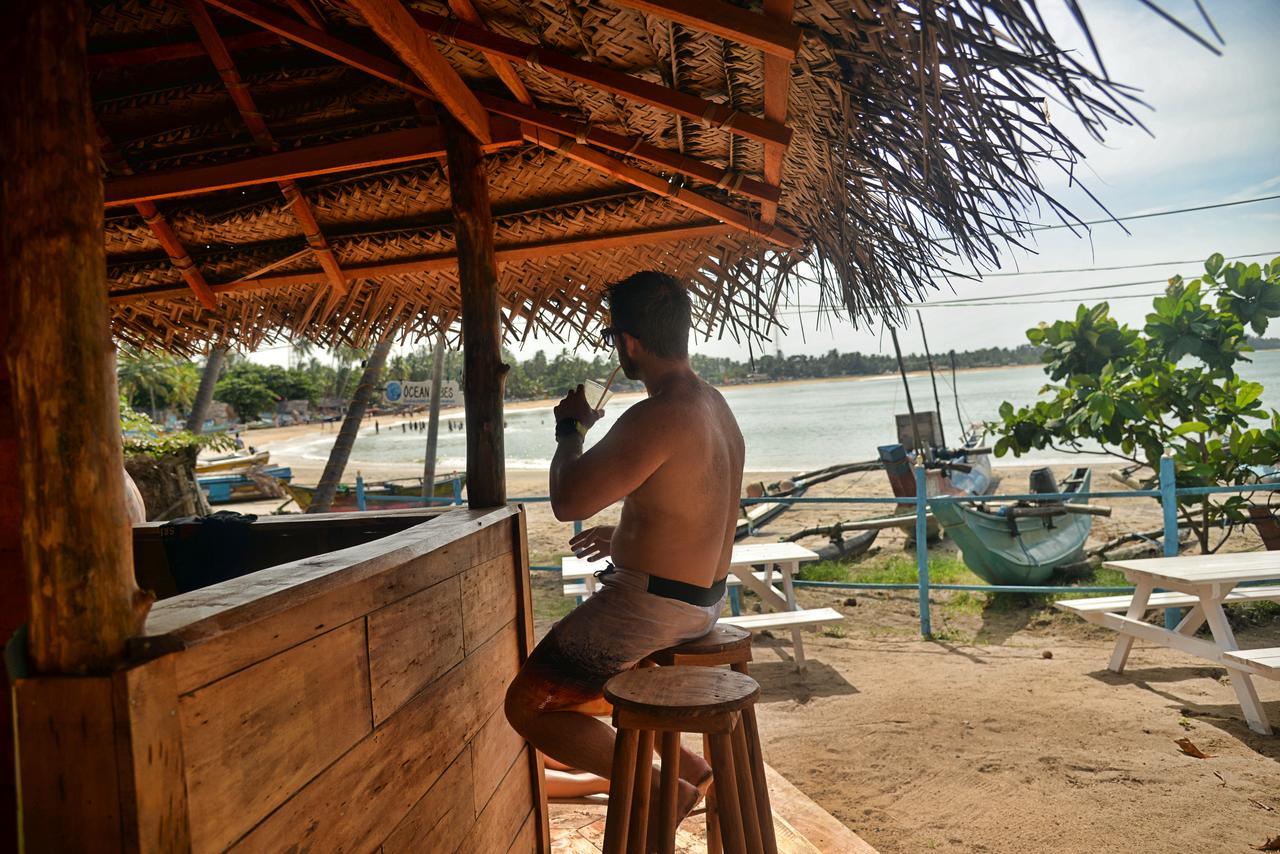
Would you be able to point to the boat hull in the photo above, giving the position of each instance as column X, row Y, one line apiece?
column 393, row 494
column 1018, row 551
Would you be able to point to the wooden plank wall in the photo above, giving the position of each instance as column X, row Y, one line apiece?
column 384, row 730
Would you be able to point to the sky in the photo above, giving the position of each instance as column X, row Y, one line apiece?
column 1214, row 137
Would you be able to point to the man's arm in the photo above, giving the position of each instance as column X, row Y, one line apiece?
column 583, row 484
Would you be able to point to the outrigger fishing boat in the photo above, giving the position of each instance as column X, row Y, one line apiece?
column 1023, row 542
column 755, row 515
column 245, row 484
column 232, row 462
column 400, row 491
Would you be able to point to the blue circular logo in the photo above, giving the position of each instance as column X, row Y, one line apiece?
column 393, row 391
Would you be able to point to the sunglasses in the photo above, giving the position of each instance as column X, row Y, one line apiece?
column 611, row 336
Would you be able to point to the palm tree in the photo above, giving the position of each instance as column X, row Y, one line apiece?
column 350, row 427
column 208, row 379
column 142, row 371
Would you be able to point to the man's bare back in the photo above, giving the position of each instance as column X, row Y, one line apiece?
column 679, row 523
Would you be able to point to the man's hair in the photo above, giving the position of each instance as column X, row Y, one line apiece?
column 654, row 309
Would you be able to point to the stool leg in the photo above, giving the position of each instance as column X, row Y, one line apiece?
column 713, row 814
column 624, row 773
column 669, row 792
column 731, row 832
column 640, row 793
column 760, row 783
column 746, row 790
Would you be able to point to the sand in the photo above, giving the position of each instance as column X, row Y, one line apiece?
column 976, row 742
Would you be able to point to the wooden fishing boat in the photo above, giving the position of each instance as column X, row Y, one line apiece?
column 401, row 492
column 1022, row 543
column 754, row 516
column 232, row 462
column 963, row 471
column 257, row 482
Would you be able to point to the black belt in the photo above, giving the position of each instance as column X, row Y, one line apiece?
column 680, row 590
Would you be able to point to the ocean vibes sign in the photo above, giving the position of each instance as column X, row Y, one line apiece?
column 419, row 393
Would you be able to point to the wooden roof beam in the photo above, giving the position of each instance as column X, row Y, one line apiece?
column 261, row 134
column 179, row 50
column 777, row 85
column 504, row 69
column 389, row 72
column 160, row 228
column 601, row 162
column 729, row 22
column 395, row 26
column 447, row 262
column 607, row 79
column 369, row 152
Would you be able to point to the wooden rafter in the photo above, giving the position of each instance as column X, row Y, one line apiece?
column 446, row 261
column 602, row 162
column 466, row 11
column 777, row 85
column 390, row 72
column 730, row 22
column 395, row 26
column 606, row 79
column 178, row 50
column 378, row 150
column 164, row 233
column 298, row 204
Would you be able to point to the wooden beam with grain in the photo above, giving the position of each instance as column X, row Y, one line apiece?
column 369, row 152
column 606, row 79
column 248, row 109
column 446, row 261
column 777, row 85
column 391, row 21
column 160, row 228
column 115, row 59
column 729, row 22
column 506, row 72
column 609, row 165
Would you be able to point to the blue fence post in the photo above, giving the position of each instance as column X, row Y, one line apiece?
column 1169, row 503
column 922, row 548
column 457, row 490
column 359, row 492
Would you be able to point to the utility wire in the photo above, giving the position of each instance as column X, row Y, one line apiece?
column 1236, row 255
column 1131, row 217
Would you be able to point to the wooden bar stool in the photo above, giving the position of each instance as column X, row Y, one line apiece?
column 674, row 700
column 729, row 645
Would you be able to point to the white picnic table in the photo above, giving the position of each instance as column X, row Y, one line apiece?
column 1205, row 583
column 782, row 558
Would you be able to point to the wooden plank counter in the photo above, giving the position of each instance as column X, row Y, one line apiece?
column 347, row 701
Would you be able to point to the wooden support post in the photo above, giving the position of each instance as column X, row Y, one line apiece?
column 75, row 533
column 484, row 374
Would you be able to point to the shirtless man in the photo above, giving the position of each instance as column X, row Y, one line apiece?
column 675, row 459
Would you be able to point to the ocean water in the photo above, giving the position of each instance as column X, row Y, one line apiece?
column 788, row 427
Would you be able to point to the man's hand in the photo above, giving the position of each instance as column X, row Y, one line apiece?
column 576, row 406
column 593, row 543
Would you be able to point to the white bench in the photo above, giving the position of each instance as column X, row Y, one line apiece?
column 784, row 619
column 1264, row 662
column 1104, row 604
column 579, row 588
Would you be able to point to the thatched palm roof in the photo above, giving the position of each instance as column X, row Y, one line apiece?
column 624, row 135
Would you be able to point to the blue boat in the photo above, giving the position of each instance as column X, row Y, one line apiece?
column 243, row 486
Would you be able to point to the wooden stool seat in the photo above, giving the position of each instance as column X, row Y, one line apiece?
column 724, row 644
column 673, row 700
column 677, row 693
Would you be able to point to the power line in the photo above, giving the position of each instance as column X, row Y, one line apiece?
column 1272, row 253
column 981, row 299
column 1153, row 214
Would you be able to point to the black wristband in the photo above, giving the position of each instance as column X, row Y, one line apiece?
column 569, row 427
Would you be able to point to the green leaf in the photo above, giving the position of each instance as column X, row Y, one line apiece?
column 1190, row 427
column 1214, row 263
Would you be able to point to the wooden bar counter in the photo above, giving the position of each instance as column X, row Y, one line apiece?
column 350, row 700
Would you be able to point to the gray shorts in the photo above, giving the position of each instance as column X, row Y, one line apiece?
column 612, row 631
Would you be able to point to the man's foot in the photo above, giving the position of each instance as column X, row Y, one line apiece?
column 689, row 798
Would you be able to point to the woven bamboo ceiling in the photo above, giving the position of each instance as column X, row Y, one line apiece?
column 277, row 169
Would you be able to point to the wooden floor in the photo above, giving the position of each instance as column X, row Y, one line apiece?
column 801, row 826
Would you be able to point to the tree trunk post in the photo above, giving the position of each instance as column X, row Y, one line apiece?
column 433, row 422
column 342, row 445
column 484, row 374
column 76, row 542
column 208, row 379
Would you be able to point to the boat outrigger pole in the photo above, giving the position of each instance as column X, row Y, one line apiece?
column 942, row 433
column 911, row 409
column 955, row 393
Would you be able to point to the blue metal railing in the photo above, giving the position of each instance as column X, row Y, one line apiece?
column 1167, row 494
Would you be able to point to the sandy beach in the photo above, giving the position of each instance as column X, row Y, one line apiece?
column 909, row 741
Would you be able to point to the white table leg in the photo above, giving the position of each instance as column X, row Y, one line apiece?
column 1240, row 680
column 1191, row 621
column 1137, row 607
column 797, row 641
